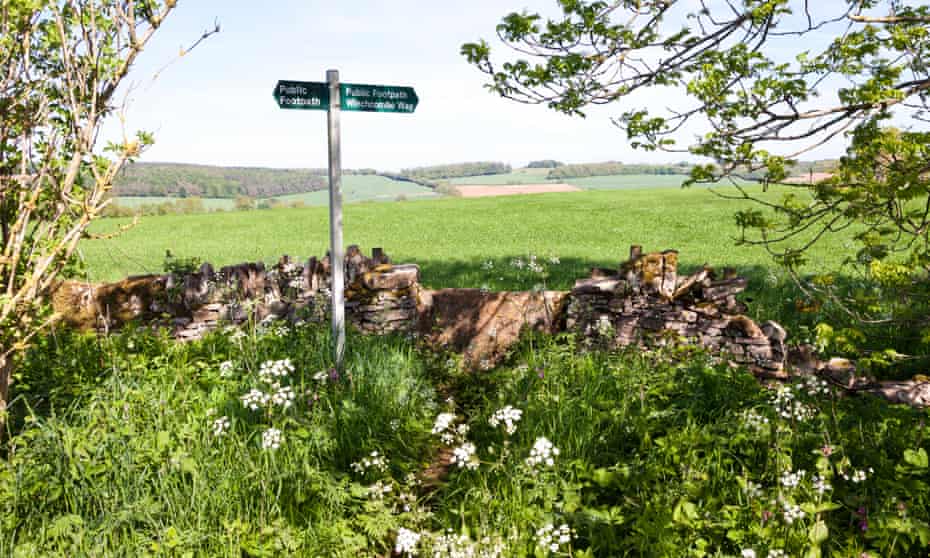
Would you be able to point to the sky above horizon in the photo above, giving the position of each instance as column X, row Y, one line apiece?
column 214, row 105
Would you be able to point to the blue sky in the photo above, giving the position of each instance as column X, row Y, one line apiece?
column 214, row 106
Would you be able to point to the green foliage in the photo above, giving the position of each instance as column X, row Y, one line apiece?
column 133, row 444
column 758, row 89
column 181, row 180
column 439, row 172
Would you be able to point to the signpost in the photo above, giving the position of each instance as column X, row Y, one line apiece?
column 334, row 97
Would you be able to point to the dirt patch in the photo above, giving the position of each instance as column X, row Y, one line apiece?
column 481, row 191
column 810, row 178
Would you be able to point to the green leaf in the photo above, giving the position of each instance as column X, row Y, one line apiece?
column 819, row 532
column 162, row 440
column 917, row 458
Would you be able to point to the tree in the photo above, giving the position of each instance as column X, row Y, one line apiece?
column 62, row 61
column 763, row 86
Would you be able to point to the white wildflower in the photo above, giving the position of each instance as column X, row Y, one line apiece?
column 790, row 479
column 255, row 399
column 488, row 265
column 748, row 553
column 284, row 397
column 374, row 460
column 379, row 489
column 271, row 370
column 226, row 368
column 821, row 485
column 221, row 426
column 752, row 490
column 554, row 260
column 788, row 407
column 552, row 538
column 464, row 456
column 792, row 513
column 509, row 416
column 543, row 453
column 406, row 542
column 272, row 439
column 777, row 553
column 443, row 420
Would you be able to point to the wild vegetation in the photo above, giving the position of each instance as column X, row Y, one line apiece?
column 249, row 443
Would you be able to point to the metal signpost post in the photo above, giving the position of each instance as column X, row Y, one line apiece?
column 334, row 97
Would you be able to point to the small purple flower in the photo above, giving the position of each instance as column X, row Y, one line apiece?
column 541, row 372
column 864, row 525
column 333, row 375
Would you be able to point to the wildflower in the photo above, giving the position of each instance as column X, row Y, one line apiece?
column 791, row 480
column 814, row 386
column 543, row 452
column 272, row 439
column 552, row 538
column 517, row 263
column 272, row 369
column 407, row 500
column 374, row 460
column 507, row 415
column 755, row 420
column 320, row 376
column 255, row 399
column 464, row 456
column 554, row 260
column 821, row 485
column 788, row 407
column 752, row 490
column 748, row 553
column 776, row 553
column 221, row 426
column 826, row 450
column 443, row 420
column 792, row 513
column 488, row 265
column 406, row 542
column 284, row 397
column 226, row 369
column 378, row 490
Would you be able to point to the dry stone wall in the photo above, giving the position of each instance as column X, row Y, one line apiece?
column 380, row 297
column 644, row 301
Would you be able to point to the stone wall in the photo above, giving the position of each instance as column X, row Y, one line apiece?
column 380, row 297
column 645, row 301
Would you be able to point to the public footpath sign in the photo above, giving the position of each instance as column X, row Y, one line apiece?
column 333, row 97
column 378, row 98
column 306, row 95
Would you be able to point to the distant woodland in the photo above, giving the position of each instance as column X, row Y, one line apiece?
column 457, row 170
column 202, row 181
column 613, row 168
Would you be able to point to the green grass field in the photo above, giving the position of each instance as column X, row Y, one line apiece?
column 518, row 176
column 359, row 188
column 538, row 176
column 451, row 237
column 628, row 182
